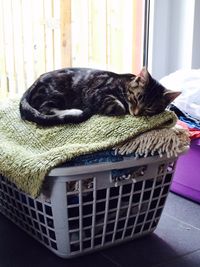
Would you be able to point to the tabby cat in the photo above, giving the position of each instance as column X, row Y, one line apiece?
column 73, row 95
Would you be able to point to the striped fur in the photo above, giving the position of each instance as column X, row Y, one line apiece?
column 73, row 95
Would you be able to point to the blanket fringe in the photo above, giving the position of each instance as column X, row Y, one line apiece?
column 161, row 141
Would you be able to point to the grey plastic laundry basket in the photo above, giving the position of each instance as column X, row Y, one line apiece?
column 92, row 207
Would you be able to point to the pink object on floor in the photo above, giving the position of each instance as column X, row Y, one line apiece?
column 186, row 181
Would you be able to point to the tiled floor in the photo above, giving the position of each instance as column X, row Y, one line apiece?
column 175, row 243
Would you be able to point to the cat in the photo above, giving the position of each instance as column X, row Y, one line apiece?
column 73, row 95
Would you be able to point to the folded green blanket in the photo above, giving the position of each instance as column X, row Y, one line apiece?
column 28, row 152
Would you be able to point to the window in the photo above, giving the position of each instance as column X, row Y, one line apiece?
column 37, row 36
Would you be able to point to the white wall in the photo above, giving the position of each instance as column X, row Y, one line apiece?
column 174, row 36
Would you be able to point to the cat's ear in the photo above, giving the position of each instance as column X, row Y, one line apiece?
column 170, row 95
column 144, row 74
column 143, row 77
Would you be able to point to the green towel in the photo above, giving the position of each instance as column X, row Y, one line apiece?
column 28, row 151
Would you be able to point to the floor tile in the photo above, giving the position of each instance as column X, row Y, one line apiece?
column 181, row 237
column 183, row 209
column 190, row 260
column 143, row 252
column 171, row 239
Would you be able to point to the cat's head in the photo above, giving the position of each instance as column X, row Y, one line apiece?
column 148, row 97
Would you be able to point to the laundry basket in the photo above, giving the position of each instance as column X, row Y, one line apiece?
column 91, row 207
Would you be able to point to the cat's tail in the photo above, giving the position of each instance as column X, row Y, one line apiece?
column 29, row 113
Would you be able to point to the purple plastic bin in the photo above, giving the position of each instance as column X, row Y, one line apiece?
column 186, row 181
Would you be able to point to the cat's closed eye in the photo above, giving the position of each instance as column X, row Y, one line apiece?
column 140, row 98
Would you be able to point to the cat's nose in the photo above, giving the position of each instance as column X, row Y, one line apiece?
column 136, row 112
